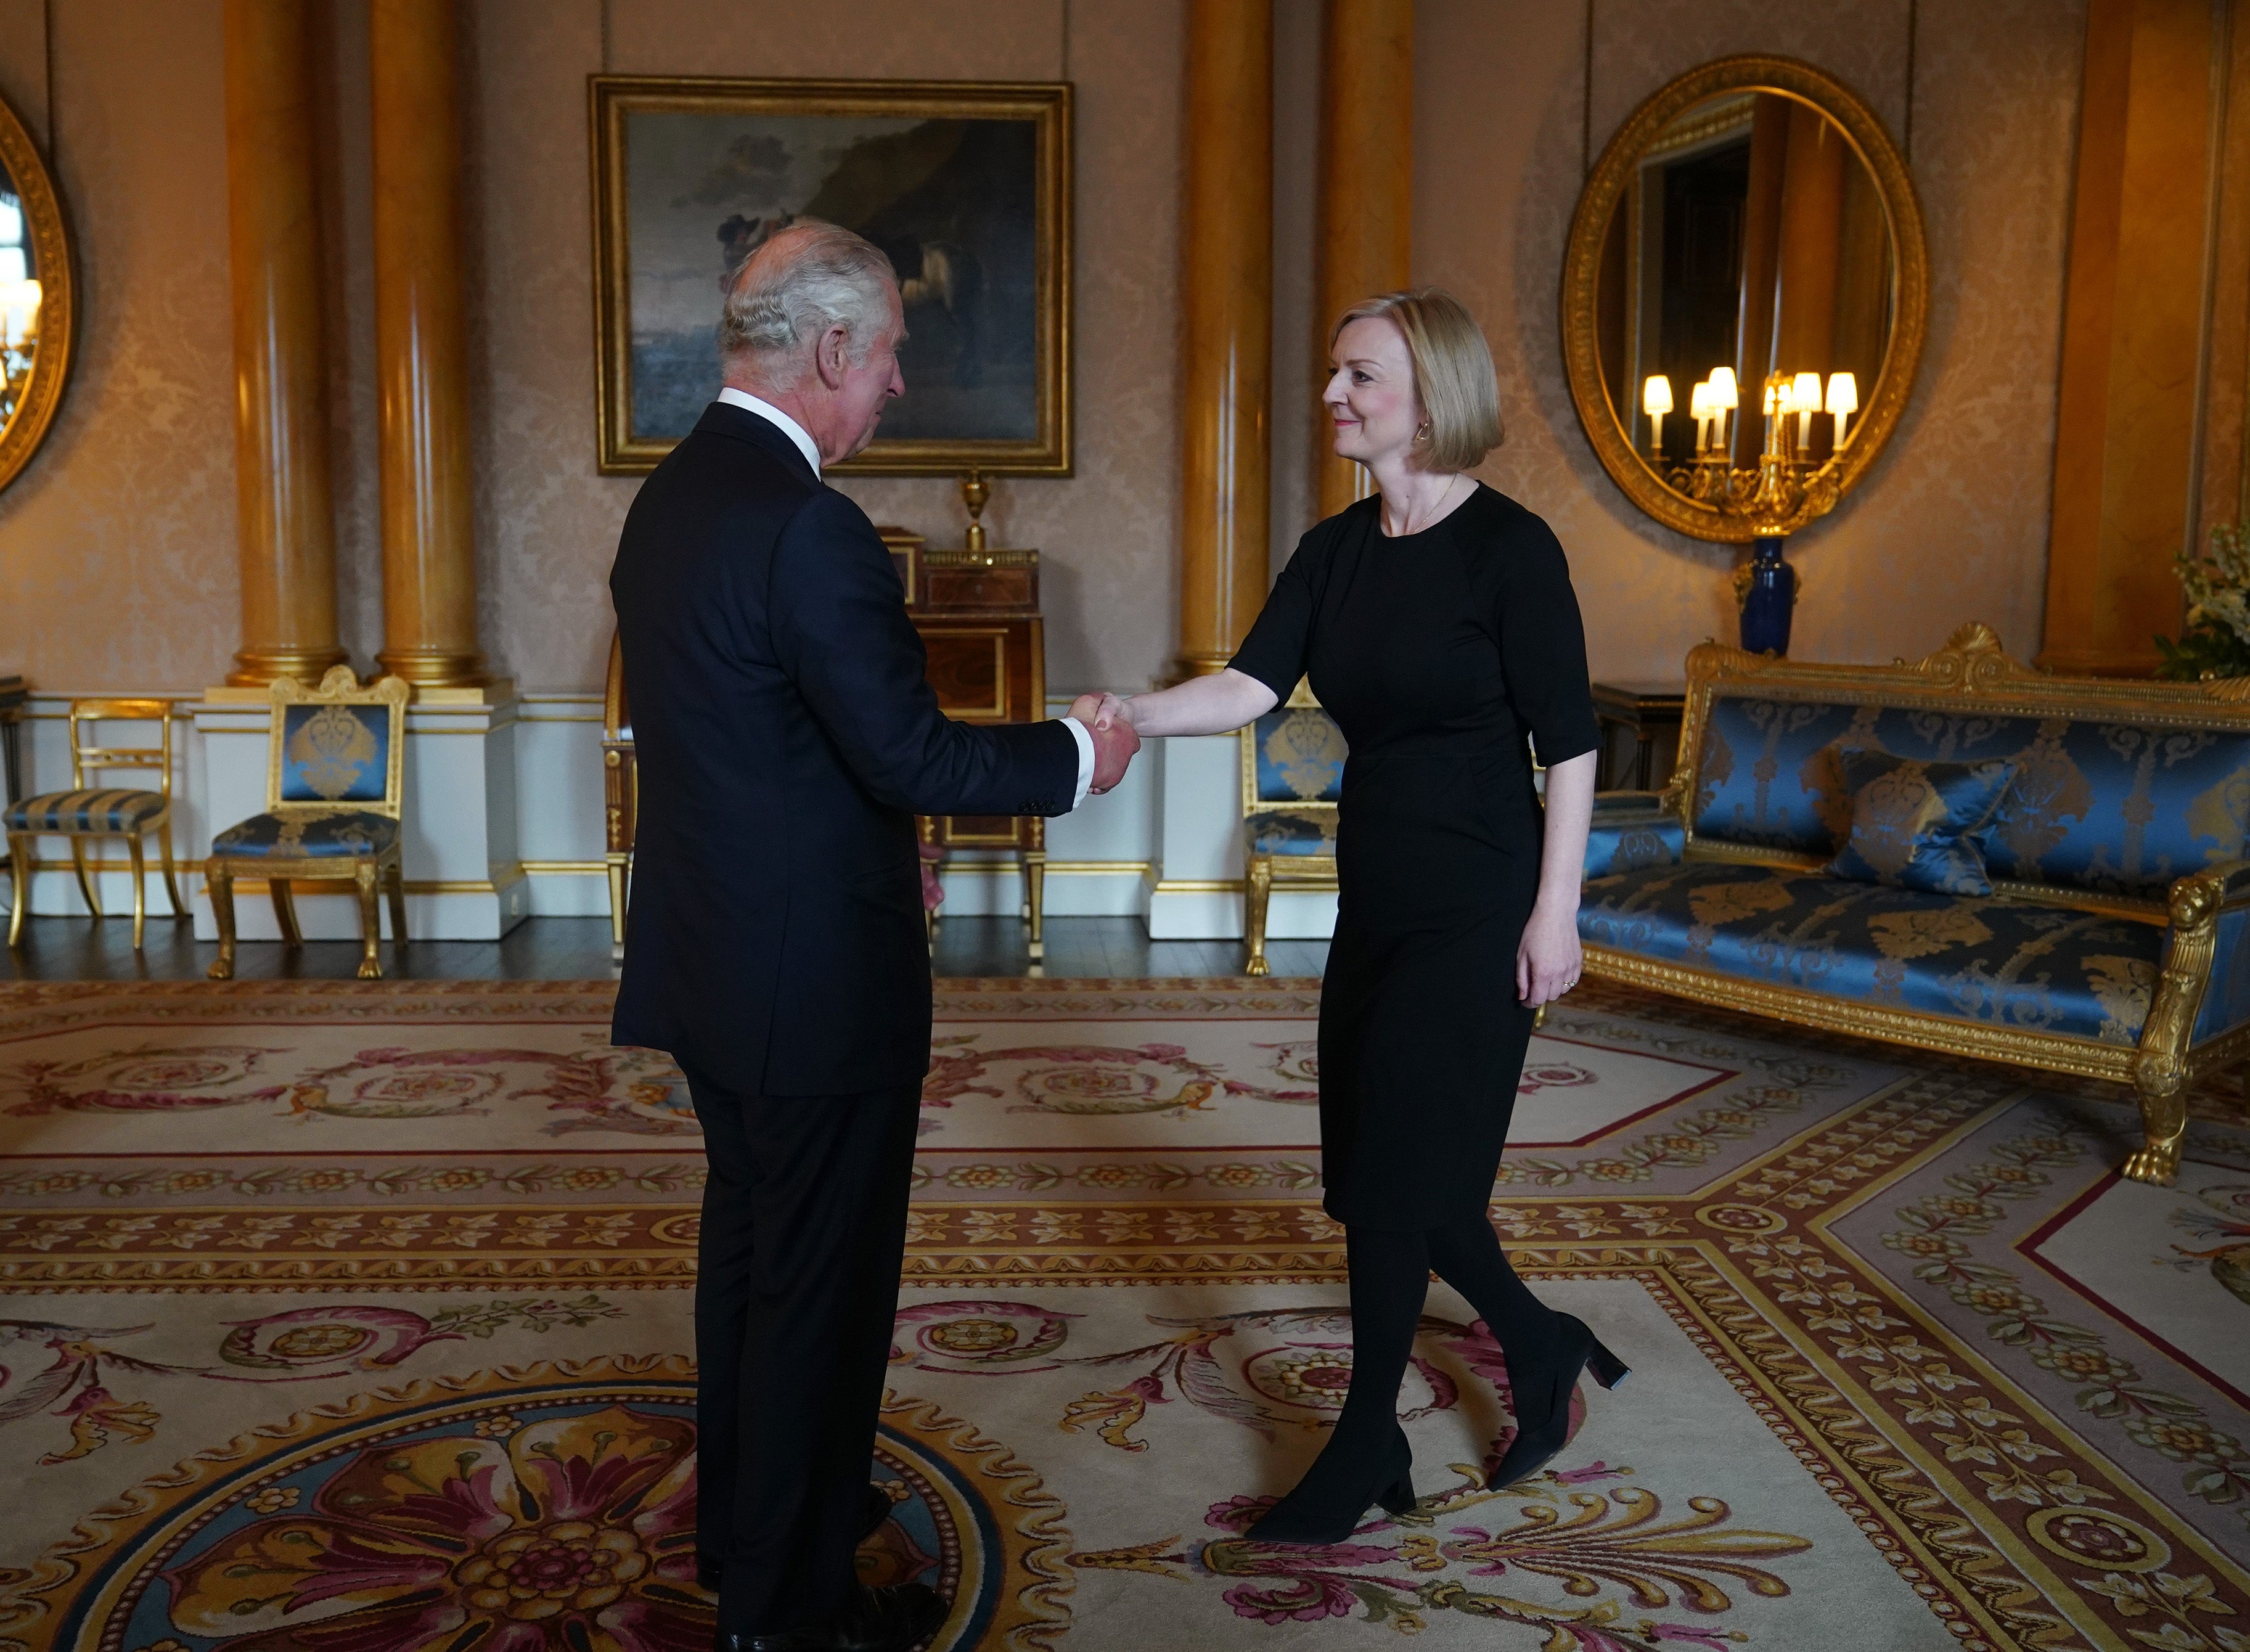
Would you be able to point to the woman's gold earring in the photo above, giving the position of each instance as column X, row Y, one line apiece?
column 1422, row 434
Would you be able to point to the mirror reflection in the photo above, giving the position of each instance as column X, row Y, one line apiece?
column 19, row 301
column 1748, row 289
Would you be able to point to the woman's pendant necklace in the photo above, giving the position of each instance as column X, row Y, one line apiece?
column 1408, row 528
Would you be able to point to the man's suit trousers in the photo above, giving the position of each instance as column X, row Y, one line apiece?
column 803, row 1234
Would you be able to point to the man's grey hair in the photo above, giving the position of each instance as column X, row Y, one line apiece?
column 782, row 299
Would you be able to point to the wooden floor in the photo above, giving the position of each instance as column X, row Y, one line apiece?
column 578, row 949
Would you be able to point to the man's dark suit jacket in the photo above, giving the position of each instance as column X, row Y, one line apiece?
column 786, row 739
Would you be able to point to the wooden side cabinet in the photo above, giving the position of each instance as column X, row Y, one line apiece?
column 978, row 614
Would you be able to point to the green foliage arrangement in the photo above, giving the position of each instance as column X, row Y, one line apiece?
column 2216, row 641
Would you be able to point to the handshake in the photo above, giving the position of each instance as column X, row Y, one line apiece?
column 1115, row 740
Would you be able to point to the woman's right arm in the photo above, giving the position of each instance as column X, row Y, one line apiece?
column 1216, row 704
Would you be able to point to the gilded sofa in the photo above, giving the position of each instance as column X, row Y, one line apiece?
column 2116, row 941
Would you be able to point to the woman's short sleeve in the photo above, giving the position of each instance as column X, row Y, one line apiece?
column 1280, row 645
column 1542, row 644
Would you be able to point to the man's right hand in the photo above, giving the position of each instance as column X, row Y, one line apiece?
column 1114, row 747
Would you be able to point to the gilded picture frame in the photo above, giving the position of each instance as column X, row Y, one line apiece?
column 46, row 238
column 967, row 184
column 1613, row 177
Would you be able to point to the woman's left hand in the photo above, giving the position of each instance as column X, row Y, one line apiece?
column 1548, row 960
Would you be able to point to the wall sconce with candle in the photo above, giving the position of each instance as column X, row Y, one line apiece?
column 1826, row 304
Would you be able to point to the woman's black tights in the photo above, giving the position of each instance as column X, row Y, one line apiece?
column 1389, row 1281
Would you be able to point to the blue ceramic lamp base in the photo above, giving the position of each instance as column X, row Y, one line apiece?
column 1768, row 603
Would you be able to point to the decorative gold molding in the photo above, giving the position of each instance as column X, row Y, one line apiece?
column 1614, row 173
column 1048, row 105
column 48, row 230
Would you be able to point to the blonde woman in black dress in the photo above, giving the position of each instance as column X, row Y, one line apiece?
column 1438, row 624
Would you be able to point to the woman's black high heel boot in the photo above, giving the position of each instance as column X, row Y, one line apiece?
column 1329, row 1502
column 1542, row 1409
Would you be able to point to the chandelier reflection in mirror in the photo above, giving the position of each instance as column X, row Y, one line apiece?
column 36, row 308
column 1744, row 299
column 19, row 303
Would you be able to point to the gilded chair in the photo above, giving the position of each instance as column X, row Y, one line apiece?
column 332, row 789
column 86, row 813
column 1292, row 781
column 620, row 794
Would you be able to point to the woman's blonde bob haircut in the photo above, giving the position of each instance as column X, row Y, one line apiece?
column 1454, row 375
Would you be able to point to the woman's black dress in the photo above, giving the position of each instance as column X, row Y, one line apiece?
column 1437, row 653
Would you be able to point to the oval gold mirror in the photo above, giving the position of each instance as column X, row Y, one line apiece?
column 38, row 311
column 1743, row 298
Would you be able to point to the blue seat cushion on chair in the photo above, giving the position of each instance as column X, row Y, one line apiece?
column 1279, row 831
column 1300, row 755
column 334, row 754
column 2003, row 962
column 308, row 834
column 88, row 811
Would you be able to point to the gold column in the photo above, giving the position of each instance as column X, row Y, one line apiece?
column 429, row 546
column 286, row 529
column 1227, row 299
column 1366, row 190
column 2131, row 335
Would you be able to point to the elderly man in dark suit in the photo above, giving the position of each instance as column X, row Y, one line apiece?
column 786, row 740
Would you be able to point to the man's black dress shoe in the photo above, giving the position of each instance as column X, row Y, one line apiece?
column 877, row 1510
column 890, row 1619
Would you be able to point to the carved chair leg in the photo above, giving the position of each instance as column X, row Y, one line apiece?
column 171, row 880
column 285, row 910
column 19, row 873
column 2163, row 1087
column 370, row 923
column 1257, row 893
column 139, row 856
column 617, row 907
column 397, row 881
column 218, row 883
column 1035, row 900
column 85, row 883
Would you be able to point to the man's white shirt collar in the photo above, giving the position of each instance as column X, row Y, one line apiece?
column 790, row 427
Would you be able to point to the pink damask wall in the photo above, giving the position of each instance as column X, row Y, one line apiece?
column 116, row 546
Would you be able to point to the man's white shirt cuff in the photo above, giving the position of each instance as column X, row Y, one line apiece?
column 1085, row 757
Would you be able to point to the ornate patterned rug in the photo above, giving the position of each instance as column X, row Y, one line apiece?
column 350, row 1317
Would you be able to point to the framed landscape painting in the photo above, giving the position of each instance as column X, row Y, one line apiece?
column 965, row 184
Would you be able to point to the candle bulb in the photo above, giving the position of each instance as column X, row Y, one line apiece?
column 1656, row 402
column 1724, row 399
column 1804, row 396
column 1843, row 402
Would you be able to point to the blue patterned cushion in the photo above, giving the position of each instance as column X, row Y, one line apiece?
column 1277, row 832
column 2112, row 807
column 1915, row 824
column 308, row 834
column 1630, row 830
column 334, row 754
column 90, row 811
column 2003, row 962
column 1299, row 754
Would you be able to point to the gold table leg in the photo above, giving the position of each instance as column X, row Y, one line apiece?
column 370, row 923
column 218, row 883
